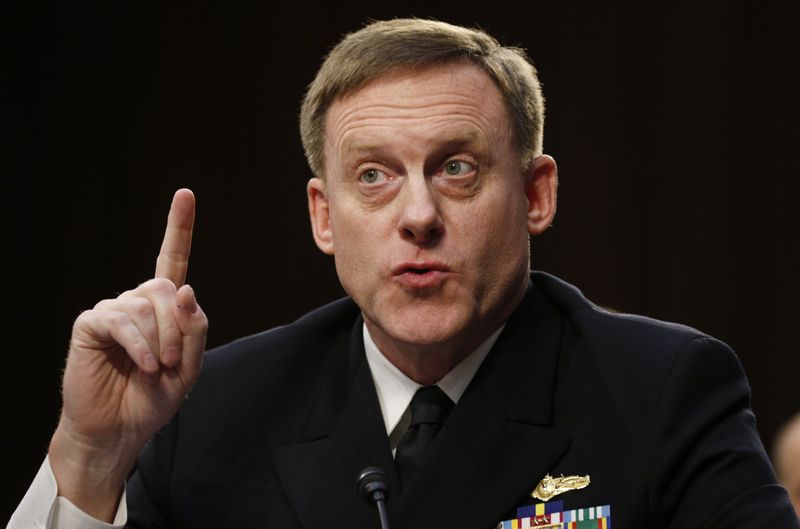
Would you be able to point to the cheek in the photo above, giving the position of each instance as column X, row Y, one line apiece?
column 501, row 231
column 357, row 240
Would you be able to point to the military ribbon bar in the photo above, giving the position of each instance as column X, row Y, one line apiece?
column 552, row 515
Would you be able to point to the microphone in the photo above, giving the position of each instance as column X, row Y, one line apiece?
column 373, row 485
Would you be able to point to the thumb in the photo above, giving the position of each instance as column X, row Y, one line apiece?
column 193, row 325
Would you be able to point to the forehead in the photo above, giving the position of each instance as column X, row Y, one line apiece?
column 438, row 101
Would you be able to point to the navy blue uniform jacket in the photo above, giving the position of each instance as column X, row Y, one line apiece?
column 279, row 425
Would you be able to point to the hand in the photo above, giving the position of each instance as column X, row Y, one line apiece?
column 131, row 362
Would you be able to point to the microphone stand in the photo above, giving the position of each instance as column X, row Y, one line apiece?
column 373, row 485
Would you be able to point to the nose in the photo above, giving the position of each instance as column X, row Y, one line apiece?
column 420, row 220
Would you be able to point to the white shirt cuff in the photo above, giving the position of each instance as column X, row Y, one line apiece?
column 42, row 508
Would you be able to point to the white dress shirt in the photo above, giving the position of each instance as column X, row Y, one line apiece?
column 395, row 390
column 42, row 508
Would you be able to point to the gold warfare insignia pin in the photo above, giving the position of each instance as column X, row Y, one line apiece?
column 550, row 487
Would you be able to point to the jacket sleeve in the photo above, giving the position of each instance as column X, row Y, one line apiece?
column 708, row 465
column 148, row 488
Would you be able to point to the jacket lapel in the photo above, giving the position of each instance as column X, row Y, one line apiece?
column 497, row 444
column 343, row 435
column 495, row 447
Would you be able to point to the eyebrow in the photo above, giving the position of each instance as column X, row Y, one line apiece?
column 367, row 146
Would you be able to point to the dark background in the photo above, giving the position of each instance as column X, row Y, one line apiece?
column 675, row 129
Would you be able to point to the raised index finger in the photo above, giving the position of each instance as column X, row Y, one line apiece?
column 173, row 259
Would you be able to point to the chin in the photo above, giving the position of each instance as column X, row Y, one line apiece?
column 429, row 326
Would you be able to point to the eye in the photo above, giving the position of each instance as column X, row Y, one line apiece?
column 458, row 167
column 373, row 176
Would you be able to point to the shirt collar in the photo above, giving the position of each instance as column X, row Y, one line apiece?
column 395, row 390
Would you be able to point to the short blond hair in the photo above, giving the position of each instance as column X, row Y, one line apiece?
column 415, row 43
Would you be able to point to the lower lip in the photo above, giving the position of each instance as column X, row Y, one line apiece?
column 428, row 279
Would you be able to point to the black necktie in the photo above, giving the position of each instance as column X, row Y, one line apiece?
column 429, row 409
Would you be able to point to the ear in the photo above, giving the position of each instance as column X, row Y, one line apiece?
column 320, row 213
column 541, row 191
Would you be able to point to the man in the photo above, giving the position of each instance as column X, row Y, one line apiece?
column 426, row 144
column 787, row 460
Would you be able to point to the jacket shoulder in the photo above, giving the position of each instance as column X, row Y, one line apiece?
column 607, row 328
column 289, row 360
column 634, row 357
column 310, row 334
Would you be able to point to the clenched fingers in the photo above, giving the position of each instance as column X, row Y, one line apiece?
column 155, row 324
column 107, row 327
column 140, row 312
column 162, row 296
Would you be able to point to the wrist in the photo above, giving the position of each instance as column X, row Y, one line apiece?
column 91, row 477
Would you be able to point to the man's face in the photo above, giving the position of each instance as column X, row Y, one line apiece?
column 426, row 209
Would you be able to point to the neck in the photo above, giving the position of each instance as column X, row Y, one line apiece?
column 427, row 363
column 423, row 364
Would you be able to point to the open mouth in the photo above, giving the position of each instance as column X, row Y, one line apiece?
column 421, row 275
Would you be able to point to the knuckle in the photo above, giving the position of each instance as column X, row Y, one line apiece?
column 83, row 318
column 139, row 344
column 167, row 322
column 140, row 307
column 127, row 294
column 174, row 257
column 117, row 319
column 103, row 304
column 162, row 285
column 156, row 287
column 171, row 335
